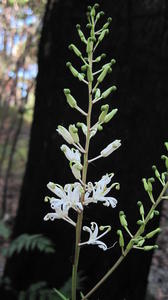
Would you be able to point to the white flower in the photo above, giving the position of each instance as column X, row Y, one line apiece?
column 65, row 134
column 59, row 214
column 100, row 190
column 71, row 154
column 68, row 197
column 94, row 238
column 110, row 148
column 76, row 170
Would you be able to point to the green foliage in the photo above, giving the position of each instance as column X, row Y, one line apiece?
column 29, row 242
column 4, row 230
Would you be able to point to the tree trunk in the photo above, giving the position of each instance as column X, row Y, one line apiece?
column 140, row 74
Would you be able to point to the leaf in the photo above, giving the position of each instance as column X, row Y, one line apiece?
column 60, row 295
column 30, row 242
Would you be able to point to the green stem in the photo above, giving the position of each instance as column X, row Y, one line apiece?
column 84, row 177
column 129, row 245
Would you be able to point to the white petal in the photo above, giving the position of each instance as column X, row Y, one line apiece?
column 110, row 148
column 65, row 134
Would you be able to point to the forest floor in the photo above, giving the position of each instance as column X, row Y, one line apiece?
column 158, row 276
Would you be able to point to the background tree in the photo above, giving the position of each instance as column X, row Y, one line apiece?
column 139, row 43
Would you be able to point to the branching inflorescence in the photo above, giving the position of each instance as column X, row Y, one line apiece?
column 77, row 195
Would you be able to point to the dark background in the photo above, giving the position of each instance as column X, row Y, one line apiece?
column 138, row 41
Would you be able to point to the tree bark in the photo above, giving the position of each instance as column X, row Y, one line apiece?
column 141, row 123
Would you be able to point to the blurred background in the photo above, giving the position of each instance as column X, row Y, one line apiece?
column 33, row 39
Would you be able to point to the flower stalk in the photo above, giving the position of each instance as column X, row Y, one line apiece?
column 130, row 244
column 84, row 177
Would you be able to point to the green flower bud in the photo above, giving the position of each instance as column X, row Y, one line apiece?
column 109, row 116
column 141, row 242
column 113, row 61
column 140, row 222
column 89, row 47
column 103, row 74
column 157, row 174
column 121, row 238
column 72, row 69
column 89, row 74
column 83, row 126
column 97, row 93
column 89, row 8
column 75, row 50
column 102, row 35
column 74, row 133
column 67, row 91
column 96, row 5
column 84, row 68
column 164, row 157
column 93, row 12
column 99, row 127
column 106, row 25
column 70, row 99
column 106, row 93
column 145, row 184
column 100, row 14
column 141, row 208
column 81, row 76
column 80, row 33
column 123, row 220
column 166, row 145
column 105, row 107
column 99, row 58
column 152, row 233
column 148, row 248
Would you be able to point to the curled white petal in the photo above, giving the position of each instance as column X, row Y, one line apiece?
column 71, row 154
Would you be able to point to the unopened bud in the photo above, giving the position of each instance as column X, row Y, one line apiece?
column 102, row 35
column 89, row 74
column 121, row 238
column 152, row 233
column 106, row 93
column 75, row 50
column 148, row 248
column 123, row 220
column 109, row 116
column 74, row 133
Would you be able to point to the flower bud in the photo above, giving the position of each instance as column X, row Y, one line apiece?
column 97, row 93
column 109, row 116
column 166, row 145
column 76, row 169
column 83, row 68
column 104, row 109
column 80, row 33
column 75, row 50
column 152, row 233
column 74, row 133
column 141, row 208
column 140, row 222
column 72, row 69
column 157, row 174
column 89, row 47
column 111, row 148
column 70, row 99
column 83, row 127
column 106, row 93
column 89, row 74
column 148, row 248
column 99, row 127
column 121, row 238
column 99, row 15
column 99, row 58
column 65, row 134
column 164, row 157
column 123, row 220
column 103, row 74
column 102, row 35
